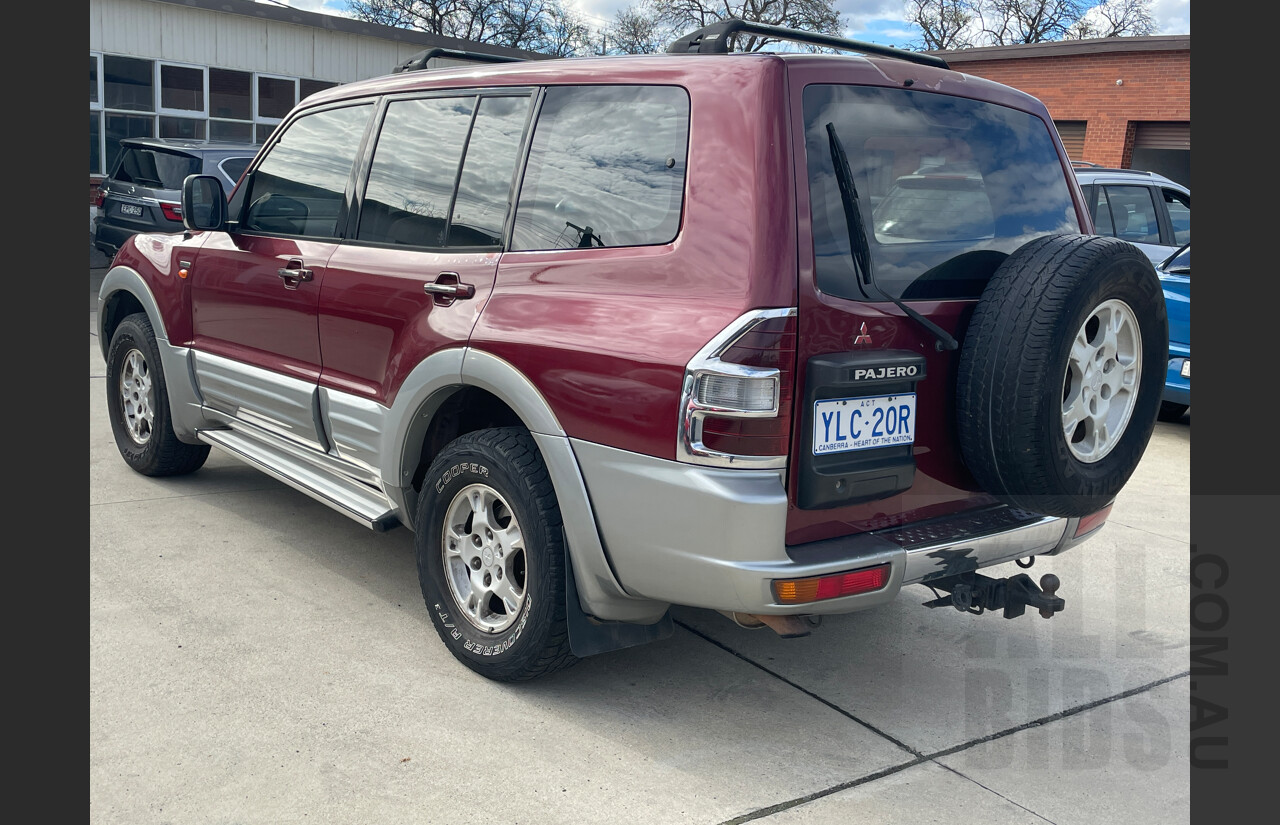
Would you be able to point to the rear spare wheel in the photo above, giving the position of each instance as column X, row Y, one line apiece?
column 1061, row 373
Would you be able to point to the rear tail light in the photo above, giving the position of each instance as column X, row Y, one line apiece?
column 96, row 196
column 172, row 211
column 1092, row 522
column 818, row 588
column 735, row 409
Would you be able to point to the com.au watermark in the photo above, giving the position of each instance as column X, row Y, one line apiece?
column 1210, row 616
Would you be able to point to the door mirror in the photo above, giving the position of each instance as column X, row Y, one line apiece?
column 204, row 203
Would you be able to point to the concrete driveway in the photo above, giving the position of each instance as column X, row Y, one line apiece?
column 258, row 658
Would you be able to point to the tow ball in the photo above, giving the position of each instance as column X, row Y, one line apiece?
column 976, row 594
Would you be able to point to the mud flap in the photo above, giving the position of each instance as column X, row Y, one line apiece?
column 589, row 636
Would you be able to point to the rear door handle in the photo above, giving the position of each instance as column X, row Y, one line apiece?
column 448, row 289
column 294, row 273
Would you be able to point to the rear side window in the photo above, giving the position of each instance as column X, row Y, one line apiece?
column 1132, row 213
column 606, row 168
column 946, row 188
column 299, row 188
column 233, row 168
column 155, row 168
column 415, row 166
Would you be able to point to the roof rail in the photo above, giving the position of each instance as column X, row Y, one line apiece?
column 418, row 62
column 714, row 39
column 1086, row 163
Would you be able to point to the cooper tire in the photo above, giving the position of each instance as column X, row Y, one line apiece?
column 138, row 404
column 1061, row 373
column 491, row 556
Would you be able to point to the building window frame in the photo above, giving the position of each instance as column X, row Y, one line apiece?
column 199, row 114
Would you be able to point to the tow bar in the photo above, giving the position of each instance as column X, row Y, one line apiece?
column 976, row 594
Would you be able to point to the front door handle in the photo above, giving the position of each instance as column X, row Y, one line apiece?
column 447, row 289
column 294, row 273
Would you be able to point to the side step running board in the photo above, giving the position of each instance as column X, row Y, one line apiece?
column 358, row 501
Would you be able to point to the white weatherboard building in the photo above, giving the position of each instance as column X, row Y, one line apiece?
column 226, row 69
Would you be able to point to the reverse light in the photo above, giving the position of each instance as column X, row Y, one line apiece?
column 1092, row 522
column 738, row 392
column 172, row 211
column 833, row 586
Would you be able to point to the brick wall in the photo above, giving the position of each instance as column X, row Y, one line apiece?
column 1157, row 87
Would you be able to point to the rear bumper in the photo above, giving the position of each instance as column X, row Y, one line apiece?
column 714, row 538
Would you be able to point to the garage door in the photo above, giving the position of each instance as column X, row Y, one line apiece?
column 1162, row 136
column 1072, row 134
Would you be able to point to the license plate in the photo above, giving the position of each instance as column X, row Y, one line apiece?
column 131, row 209
column 1186, row 368
column 844, row 424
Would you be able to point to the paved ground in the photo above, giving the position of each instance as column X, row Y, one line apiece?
column 257, row 658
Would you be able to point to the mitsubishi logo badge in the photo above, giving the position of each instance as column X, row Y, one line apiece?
column 863, row 337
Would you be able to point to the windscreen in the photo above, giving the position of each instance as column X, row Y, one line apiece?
column 945, row 189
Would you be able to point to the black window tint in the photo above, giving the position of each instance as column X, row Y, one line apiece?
column 127, row 83
column 1133, row 213
column 230, row 94
column 606, row 168
column 414, row 169
column 299, row 187
column 233, row 168
column 946, row 188
column 156, row 168
column 1179, row 206
column 484, row 190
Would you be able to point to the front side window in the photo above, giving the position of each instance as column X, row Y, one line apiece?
column 300, row 186
column 415, row 164
column 1179, row 206
column 944, row 189
column 606, row 168
column 1133, row 213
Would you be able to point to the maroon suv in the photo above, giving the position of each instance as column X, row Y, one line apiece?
column 770, row 334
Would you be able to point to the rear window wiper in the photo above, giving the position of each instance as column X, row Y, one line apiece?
column 859, row 249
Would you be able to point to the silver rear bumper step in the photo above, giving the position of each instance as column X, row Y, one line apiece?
column 356, row 500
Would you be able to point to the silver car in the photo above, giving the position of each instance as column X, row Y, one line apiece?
column 1144, row 208
column 143, row 191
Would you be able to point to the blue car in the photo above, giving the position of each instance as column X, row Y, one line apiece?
column 1175, row 277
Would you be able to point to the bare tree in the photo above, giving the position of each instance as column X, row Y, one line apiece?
column 1007, row 22
column 1115, row 18
column 637, row 29
column 545, row 26
column 946, row 24
column 651, row 24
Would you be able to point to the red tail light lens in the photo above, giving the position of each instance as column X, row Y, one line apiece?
column 96, row 195
column 172, row 211
column 771, row 344
column 1092, row 522
column 818, row 588
column 737, row 398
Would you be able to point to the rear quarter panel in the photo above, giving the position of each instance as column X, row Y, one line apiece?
column 605, row 334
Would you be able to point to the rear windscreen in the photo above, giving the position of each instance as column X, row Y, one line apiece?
column 944, row 188
column 155, row 168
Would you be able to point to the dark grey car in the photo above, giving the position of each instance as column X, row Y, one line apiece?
column 143, row 191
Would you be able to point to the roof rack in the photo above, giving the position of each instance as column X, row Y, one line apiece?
column 1086, row 163
column 714, row 39
column 418, row 62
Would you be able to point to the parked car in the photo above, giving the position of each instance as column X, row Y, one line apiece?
column 1175, row 277
column 615, row 334
column 143, row 191
column 1144, row 208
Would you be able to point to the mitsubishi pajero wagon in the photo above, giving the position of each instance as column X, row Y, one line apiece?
column 774, row 335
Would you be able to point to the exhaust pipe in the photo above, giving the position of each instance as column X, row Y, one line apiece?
column 788, row 627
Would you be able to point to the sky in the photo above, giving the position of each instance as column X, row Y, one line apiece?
column 873, row 21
